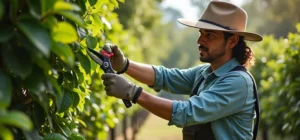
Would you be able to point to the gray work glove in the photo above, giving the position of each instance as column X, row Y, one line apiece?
column 120, row 87
column 118, row 61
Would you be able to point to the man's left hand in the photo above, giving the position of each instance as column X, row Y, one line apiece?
column 120, row 87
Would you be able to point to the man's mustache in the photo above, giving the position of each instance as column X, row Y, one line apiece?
column 202, row 47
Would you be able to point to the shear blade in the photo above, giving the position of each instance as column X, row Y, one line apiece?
column 97, row 57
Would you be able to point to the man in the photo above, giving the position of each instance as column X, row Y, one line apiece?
column 222, row 99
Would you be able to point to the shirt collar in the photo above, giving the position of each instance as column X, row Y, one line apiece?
column 229, row 65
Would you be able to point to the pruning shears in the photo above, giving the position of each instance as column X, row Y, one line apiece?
column 102, row 59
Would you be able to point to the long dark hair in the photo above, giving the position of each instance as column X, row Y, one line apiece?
column 241, row 51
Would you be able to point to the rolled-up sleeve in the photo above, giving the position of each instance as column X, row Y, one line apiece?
column 227, row 96
column 174, row 80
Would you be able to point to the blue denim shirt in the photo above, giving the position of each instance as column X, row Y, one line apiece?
column 225, row 98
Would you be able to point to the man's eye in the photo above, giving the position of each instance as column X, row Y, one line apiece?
column 210, row 35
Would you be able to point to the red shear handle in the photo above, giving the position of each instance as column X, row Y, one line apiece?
column 105, row 53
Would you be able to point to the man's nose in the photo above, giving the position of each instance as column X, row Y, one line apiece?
column 200, row 40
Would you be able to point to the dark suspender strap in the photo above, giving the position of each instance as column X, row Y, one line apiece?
column 257, row 108
column 195, row 90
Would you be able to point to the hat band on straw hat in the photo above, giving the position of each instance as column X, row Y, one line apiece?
column 216, row 24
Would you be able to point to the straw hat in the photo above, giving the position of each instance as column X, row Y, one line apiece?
column 223, row 16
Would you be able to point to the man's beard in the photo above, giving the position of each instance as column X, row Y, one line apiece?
column 211, row 58
column 202, row 59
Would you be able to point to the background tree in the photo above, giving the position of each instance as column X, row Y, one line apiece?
column 143, row 20
column 276, row 76
column 281, row 15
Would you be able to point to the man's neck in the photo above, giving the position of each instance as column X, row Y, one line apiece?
column 219, row 62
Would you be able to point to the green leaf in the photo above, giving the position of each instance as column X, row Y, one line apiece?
column 36, row 85
column 42, row 99
column 76, row 136
column 6, row 33
column 5, row 90
column 97, row 24
column 50, row 21
column 55, row 84
column 66, row 130
column 64, row 52
column 76, row 46
column 75, row 79
column 54, row 136
column 79, row 74
column 2, row 9
column 60, row 78
column 38, row 114
column 84, row 61
column 64, row 102
column 35, row 8
column 92, row 2
column 69, row 80
column 81, row 33
column 37, row 34
column 91, row 41
column 88, row 22
column 47, row 5
column 76, row 99
column 82, row 95
column 17, row 60
column 73, row 124
column 64, row 32
column 16, row 119
column 32, row 135
column 5, row 134
column 35, row 82
column 14, row 7
column 65, row 6
column 72, row 16
column 114, row 2
column 81, row 4
column 110, row 122
column 42, row 63
column 28, row 45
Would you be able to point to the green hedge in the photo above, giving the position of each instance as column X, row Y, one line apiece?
column 278, row 77
column 49, row 87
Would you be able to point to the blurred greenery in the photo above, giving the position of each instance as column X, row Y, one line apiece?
column 278, row 13
column 142, row 18
column 277, row 76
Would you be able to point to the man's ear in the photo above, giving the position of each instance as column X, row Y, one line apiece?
column 233, row 40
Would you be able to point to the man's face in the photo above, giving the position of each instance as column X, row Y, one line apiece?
column 212, row 45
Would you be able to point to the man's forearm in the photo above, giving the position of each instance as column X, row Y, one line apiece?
column 141, row 72
column 156, row 105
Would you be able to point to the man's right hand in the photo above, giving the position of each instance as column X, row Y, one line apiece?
column 118, row 61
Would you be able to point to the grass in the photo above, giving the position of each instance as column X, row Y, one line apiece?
column 156, row 128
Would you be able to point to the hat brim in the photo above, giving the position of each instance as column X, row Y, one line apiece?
column 203, row 25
